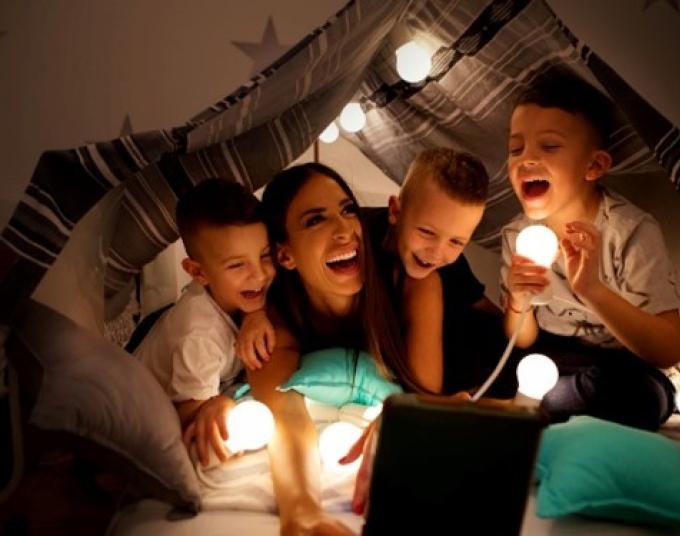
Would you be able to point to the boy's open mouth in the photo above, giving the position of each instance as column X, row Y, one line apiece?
column 422, row 263
column 344, row 263
column 252, row 294
column 534, row 188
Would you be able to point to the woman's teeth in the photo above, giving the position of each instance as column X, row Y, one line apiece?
column 342, row 261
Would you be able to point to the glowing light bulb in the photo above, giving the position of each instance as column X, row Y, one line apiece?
column 372, row 412
column 538, row 243
column 250, row 425
column 330, row 133
column 537, row 374
column 334, row 442
column 413, row 62
column 352, row 117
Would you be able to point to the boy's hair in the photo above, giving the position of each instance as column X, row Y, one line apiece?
column 214, row 202
column 460, row 175
column 571, row 94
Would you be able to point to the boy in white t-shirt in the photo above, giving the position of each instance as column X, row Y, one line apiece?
column 190, row 350
column 613, row 320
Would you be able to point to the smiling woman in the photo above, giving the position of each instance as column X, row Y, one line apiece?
column 326, row 293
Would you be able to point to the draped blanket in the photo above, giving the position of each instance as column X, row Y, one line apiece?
column 486, row 52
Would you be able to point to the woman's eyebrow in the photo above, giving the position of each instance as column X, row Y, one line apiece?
column 313, row 210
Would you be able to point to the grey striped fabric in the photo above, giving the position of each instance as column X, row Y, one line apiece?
column 488, row 51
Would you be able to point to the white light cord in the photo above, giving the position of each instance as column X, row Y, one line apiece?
column 508, row 349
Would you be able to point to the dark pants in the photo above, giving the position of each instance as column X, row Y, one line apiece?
column 611, row 384
column 474, row 341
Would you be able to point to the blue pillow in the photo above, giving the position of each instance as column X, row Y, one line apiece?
column 330, row 376
column 601, row 469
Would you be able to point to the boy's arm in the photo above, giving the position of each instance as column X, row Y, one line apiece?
column 521, row 280
column 423, row 313
column 205, row 422
column 256, row 339
column 654, row 338
column 293, row 452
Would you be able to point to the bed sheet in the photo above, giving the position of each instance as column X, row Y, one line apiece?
column 245, row 505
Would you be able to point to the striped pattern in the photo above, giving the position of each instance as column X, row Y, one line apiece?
column 488, row 51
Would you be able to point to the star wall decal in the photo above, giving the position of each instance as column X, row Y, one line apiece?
column 673, row 3
column 264, row 52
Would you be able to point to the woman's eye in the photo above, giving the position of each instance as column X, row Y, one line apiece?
column 313, row 220
column 350, row 208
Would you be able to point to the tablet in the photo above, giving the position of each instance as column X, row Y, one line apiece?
column 452, row 468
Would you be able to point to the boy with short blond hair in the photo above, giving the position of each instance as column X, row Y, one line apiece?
column 453, row 331
column 190, row 350
column 613, row 320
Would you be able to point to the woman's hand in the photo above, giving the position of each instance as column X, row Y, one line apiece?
column 582, row 257
column 209, row 429
column 524, row 277
column 256, row 340
column 315, row 524
column 364, row 445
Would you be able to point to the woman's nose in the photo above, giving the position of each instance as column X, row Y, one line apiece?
column 343, row 228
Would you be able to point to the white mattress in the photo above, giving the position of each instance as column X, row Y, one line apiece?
column 229, row 514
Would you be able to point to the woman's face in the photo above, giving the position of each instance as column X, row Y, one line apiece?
column 324, row 240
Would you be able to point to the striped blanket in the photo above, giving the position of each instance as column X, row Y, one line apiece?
column 487, row 51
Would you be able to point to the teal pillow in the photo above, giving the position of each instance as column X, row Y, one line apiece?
column 601, row 469
column 329, row 376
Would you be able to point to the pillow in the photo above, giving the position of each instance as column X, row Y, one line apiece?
column 329, row 376
column 606, row 470
column 80, row 389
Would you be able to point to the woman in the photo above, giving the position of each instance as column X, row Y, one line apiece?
column 326, row 293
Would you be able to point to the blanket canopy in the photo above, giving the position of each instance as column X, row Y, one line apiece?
column 486, row 52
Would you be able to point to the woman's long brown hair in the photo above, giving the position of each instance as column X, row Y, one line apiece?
column 375, row 323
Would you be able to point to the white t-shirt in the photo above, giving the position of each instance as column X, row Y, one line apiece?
column 190, row 349
column 634, row 264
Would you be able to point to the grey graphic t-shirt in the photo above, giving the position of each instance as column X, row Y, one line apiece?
column 634, row 264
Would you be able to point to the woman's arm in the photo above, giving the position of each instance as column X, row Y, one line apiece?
column 293, row 451
column 423, row 313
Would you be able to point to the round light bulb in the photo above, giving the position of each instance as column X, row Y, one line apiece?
column 413, row 62
column 330, row 133
column 334, row 443
column 250, row 425
column 371, row 412
column 538, row 243
column 352, row 117
column 537, row 374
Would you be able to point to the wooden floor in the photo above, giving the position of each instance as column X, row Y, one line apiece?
column 60, row 496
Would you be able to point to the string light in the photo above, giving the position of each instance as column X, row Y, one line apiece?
column 352, row 117
column 330, row 133
column 413, row 62
column 250, row 425
column 539, row 244
column 334, row 442
column 537, row 374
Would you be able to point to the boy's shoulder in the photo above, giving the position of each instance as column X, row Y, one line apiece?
column 619, row 215
column 195, row 312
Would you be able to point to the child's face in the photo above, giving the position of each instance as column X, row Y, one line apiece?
column 431, row 228
column 553, row 160
column 324, row 240
column 235, row 263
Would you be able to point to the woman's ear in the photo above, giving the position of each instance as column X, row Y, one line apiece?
column 599, row 166
column 393, row 209
column 284, row 257
column 193, row 268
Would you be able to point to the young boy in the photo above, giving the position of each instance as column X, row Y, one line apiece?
column 613, row 320
column 190, row 350
column 453, row 332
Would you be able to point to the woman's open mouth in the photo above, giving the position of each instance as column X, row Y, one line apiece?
column 345, row 263
column 535, row 188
